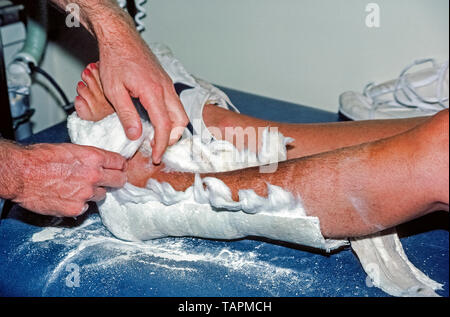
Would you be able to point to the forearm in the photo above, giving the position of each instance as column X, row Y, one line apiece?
column 9, row 178
column 104, row 19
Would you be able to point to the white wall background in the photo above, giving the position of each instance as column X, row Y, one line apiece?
column 303, row 51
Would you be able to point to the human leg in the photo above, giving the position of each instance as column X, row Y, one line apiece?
column 353, row 189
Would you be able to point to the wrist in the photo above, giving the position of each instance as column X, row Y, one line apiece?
column 11, row 177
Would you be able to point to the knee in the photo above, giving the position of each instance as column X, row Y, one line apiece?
column 435, row 134
column 435, row 130
column 441, row 118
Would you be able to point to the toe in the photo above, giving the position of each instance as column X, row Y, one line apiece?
column 91, row 81
column 82, row 108
column 85, row 92
column 93, row 67
column 90, row 90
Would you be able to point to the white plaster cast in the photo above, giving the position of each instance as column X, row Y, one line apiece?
column 133, row 213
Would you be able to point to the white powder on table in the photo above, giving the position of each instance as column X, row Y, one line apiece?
column 95, row 249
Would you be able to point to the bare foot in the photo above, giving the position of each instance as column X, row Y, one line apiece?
column 92, row 105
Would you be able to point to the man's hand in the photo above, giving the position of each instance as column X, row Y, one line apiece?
column 127, row 67
column 58, row 179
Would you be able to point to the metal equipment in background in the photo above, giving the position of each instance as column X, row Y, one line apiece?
column 19, row 70
column 16, row 78
column 9, row 14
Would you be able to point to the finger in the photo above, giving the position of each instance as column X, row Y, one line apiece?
column 159, row 117
column 175, row 134
column 114, row 161
column 112, row 178
column 177, row 115
column 72, row 209
column 131, row 122
column 99, row 194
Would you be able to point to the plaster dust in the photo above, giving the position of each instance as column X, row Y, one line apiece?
column 174, row 258
column 46, row 235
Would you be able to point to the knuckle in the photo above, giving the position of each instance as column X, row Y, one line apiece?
column 95, row 156
column 167, row 83
column 126, row 114
column 122, row 162
column 163, row 124
column 94, row 176
column 115, row 157
column 157, row 90
column 112, row 90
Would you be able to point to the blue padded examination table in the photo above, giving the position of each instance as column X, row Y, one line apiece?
column 46, row 256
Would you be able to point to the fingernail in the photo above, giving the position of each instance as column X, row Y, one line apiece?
column 132, row 132
column 85, row 208
column 173, row 141
column 87, row 71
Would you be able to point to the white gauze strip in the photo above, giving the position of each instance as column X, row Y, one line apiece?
column 205, row 209
column 384, row 260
